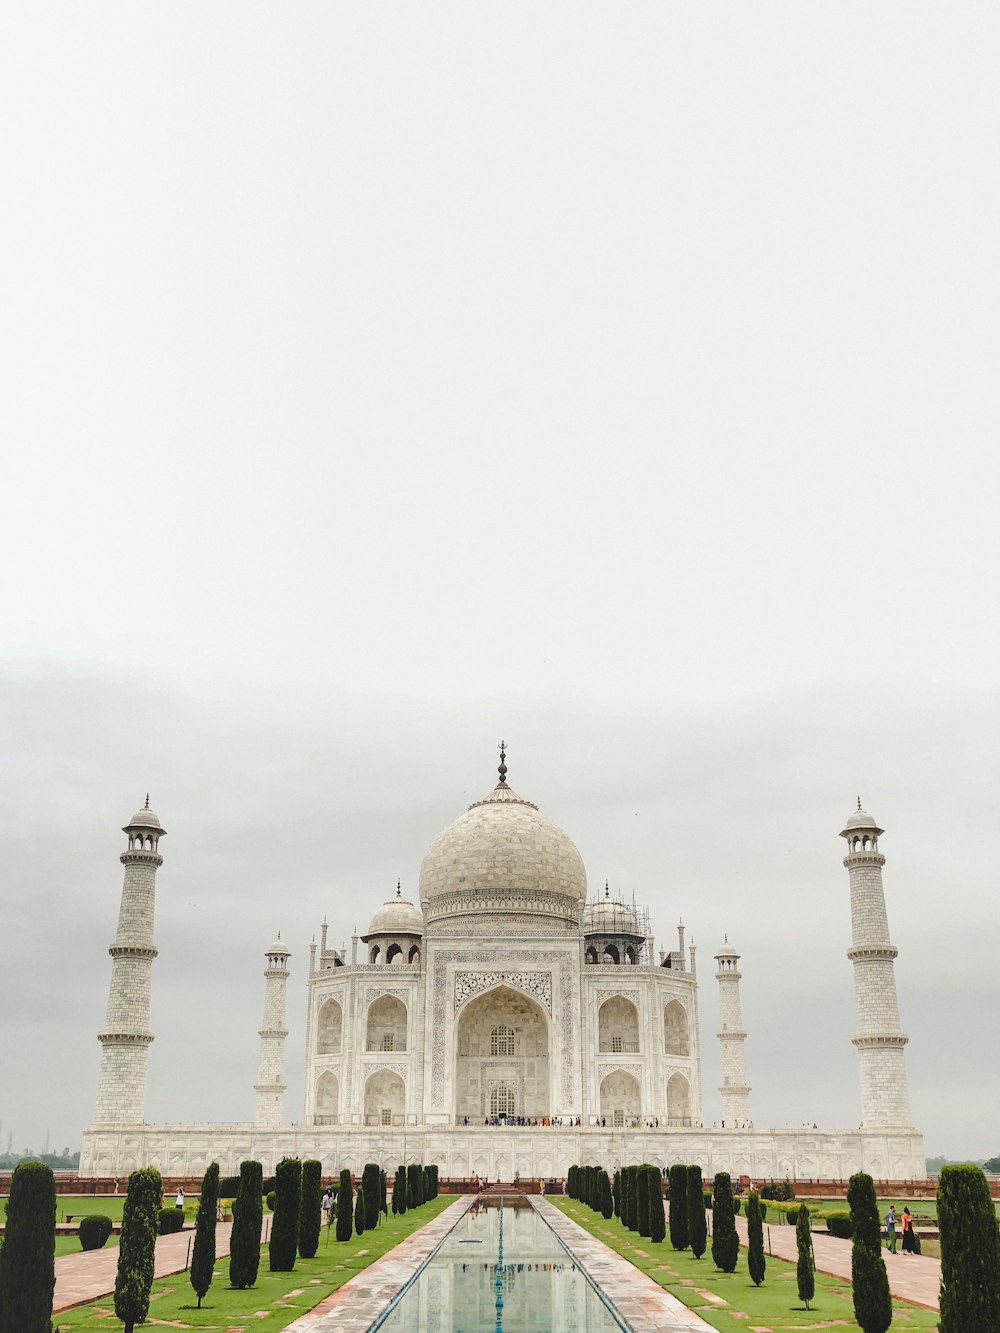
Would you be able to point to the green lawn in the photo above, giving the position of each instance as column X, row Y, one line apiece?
column 276, row 1299
column 730, row 1301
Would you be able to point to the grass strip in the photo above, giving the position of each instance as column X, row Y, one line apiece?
column 729, row 1301
column 276, row 1299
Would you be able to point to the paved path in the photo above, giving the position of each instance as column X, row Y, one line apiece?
column 912, row 1277
column 89, row 1275
column 356, row 1305
column 640, row 1301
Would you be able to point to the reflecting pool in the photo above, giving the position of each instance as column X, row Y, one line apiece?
column 540, row 1288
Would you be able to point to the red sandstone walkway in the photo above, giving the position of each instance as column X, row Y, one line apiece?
column 912, row 1277
column 91, row 1274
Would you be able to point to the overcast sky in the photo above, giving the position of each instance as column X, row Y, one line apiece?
column 381, row 380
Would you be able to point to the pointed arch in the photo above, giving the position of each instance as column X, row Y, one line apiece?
column 329, row 1028
column 678, row 1100
column 386, row 1025
column 621, row 1099
column 676, row 1034
column 618, row 1025
column 327, row 1104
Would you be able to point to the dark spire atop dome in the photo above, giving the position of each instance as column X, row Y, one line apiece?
column 502, row 770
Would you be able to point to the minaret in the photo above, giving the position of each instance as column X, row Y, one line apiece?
column 885, row 1099
column 735, row 1090
column 269, row 1087
column 121, row 1088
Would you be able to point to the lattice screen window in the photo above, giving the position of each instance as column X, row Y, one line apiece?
column 388, row 1044
column 387, row 1114
column 502, row 1100
column 617, row 1043
column 502, row 1041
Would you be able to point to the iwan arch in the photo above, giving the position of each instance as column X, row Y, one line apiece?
column 505, row 1025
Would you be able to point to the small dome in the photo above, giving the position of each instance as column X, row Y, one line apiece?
column 609, row 916
column 860, row 819
column 727, row 951
column 278, row 948
column 144, row 819
column 397, row 916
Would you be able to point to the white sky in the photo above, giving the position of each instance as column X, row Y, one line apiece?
column 381, row 380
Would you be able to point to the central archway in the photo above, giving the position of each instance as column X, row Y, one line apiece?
column 502, row 1058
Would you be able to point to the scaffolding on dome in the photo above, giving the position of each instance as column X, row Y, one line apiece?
column 615, row 923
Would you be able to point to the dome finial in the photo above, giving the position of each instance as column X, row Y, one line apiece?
column 502, row 770
column 399, row 889
column 607, row 891
column 859, row 802
column 146, row 806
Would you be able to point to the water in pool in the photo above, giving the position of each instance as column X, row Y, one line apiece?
column 541, row 1290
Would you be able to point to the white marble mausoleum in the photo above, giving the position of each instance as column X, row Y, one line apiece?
column 508, row 1024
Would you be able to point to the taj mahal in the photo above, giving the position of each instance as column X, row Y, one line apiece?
column 507, row 1025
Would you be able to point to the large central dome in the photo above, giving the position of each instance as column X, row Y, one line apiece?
column 503, row 859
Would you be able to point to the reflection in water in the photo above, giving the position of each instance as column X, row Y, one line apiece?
column 537, row 1288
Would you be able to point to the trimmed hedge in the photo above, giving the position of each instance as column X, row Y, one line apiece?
column 840, row 1224
column 94, row 1231
column 170, row 1220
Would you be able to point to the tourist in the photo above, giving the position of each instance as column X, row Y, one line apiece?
column 890, row 1229
column 326, row 1204
column 909, row 1242
column 179, row 1201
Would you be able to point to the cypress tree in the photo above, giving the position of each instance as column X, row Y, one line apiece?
column 413, row 1182
column 248, row 1213
column 657, row 1222
column 426, row 1185
column 137, row 1247
column 755, row 1240
column 203, row 1254
column 616, row 1194
column 607, row 1202
column 359, row 1211
column 434, row 1182
column 344, row 1195
column 804, row 1273
column 872, row 1301
column 571, row 1178
column 310, row 1208
column 725, row 1241
column 679, row 1235
column 383, row 1194
column 630, row 1211
column 285, row 1227
column 28, row 1255
column 372, row 1186
column 399, row 1203
column 970, row 1252
column 697, row 1226
column 642, row 1199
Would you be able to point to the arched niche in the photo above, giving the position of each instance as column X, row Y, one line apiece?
column 513, row 1026
column 329, row 1028
column 327, row 1099
column 676, row 1040
column 621, row 1100
column 414, row 956
column 385, row 1099
column 386, row 1025
column 618, row 1025
column 678, row 1100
